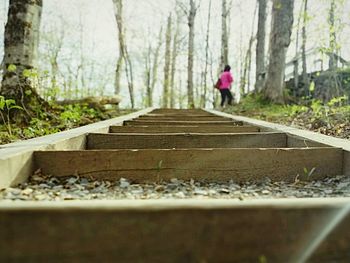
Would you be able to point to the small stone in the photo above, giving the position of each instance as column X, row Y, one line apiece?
column 172, row 186
column 14, row 191
column 265, row 192
column 72, row 180
column 180, row 195
column 123, row 183
column 37, row 178
column 200, row 192
column 174, row 181
column 159, row 188
column 40, row 197
column 84, row 181
column 27, row 191
column 224, row 191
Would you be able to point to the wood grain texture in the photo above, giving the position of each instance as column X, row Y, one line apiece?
column 186, row 141
column 183, row 129
column 185, row 123
column 200, row 164
column 182, row 118
column 188, row 234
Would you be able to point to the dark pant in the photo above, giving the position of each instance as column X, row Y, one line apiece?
column 226, row 93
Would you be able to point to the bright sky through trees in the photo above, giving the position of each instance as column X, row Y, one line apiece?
column 143, row 20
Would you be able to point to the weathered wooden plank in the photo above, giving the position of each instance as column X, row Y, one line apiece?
column 184, row 129
column 200, row 164
column 176, row 115
column 296, row 141
column 171, row 231
column 188, row 123
column 182, row 118
column 186, row 141
column 179, row 111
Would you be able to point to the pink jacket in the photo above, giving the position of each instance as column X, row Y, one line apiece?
column 226, row 80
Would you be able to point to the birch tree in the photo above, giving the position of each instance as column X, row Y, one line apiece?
column 260, row 46
column 224, row 35
column 123, row 54
column 280, row 38
column 21, row 52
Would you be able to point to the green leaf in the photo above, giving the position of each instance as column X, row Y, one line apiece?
column 26, row 73
column 28, row 92
column 16, row 107
column 11, row 68
column 2, row 102
column 9, row 103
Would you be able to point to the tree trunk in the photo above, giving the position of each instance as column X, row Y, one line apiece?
column 332, row 37
column 173, row 62
column 205, row 73
column 282, row 23
column 191, row 18
column 147, row 76
column 167, row 63
column 118, row 11
column 260, row 46
column 224, row 35
column 21, row 48
column 306, row 81
column 155, row 65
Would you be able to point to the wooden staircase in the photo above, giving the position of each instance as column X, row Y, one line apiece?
column 183, row 144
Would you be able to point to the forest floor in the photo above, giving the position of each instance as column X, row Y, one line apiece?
column 61, row 118
column 331, row 119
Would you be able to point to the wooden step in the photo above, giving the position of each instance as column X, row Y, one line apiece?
column 200, row 164
column 182, row 118
column 179, row 111
column 172, row 231
column 183, row 129
column 186, row 141
column 186, row 123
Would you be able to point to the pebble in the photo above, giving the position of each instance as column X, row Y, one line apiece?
column 43, row 188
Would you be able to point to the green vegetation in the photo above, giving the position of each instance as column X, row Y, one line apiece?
column 331, row 118
column 44, row 123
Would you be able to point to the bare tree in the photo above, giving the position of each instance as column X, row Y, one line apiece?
column 306, row 81
column 280, row 38
column 260, row 46
column 167, row 64
column 191, row 15
column 205, row 73
column 118, row 11
column 224, row 34
column 21, row 48
column 155, row 66
column 124, row 54
column 245, row 81
column 332, row 37
column 173, row 61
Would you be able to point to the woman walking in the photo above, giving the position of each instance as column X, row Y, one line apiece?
column 226, row 80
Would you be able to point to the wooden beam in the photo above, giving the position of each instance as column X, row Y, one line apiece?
column 182, row 118
column 200, row 164
column 183, row 129
column 186, row 141
column 188, row 123
column 171, row 230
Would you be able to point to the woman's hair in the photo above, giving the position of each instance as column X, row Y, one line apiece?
column 227, row 68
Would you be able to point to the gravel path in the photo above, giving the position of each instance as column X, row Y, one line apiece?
column 74, row 188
